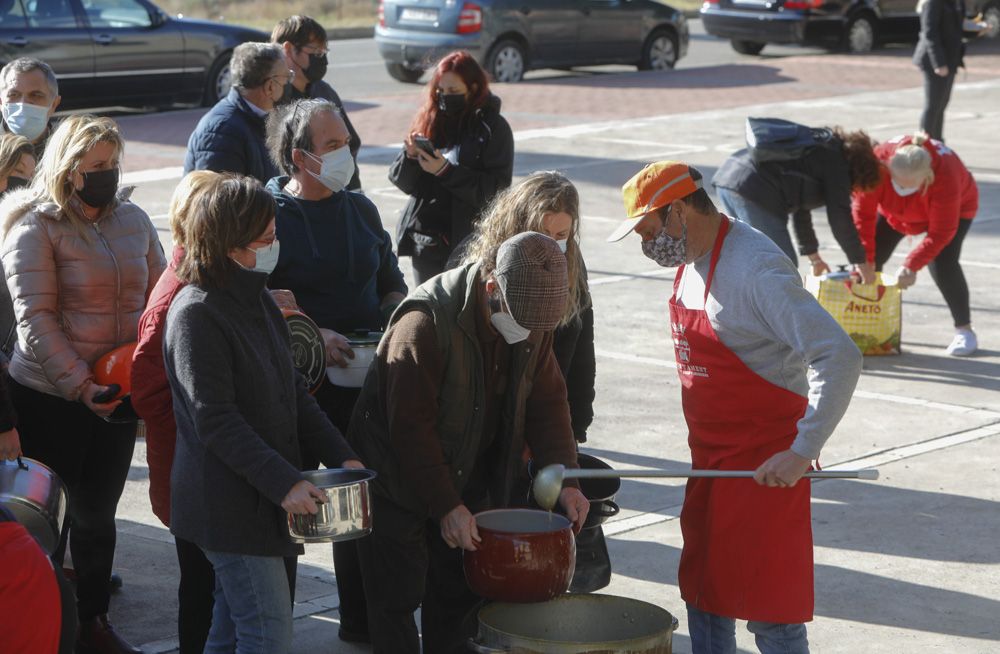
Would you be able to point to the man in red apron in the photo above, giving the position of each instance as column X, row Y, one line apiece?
column 766, row 375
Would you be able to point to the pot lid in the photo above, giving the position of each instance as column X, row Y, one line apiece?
column 363, row 337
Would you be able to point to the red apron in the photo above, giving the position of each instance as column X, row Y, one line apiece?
column 747, row 548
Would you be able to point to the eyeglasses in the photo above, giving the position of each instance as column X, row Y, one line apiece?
column 315, row 50
column 291, row 76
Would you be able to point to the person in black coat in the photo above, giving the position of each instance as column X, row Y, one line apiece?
column 230, row 138
column 469, row 160
column 939, row 54
column 765, row 194
column 304, row 42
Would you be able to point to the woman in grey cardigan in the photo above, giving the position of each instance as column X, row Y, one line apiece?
column 244, row 416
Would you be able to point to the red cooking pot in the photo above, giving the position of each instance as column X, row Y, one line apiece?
column 114, row 369
column 525, row 556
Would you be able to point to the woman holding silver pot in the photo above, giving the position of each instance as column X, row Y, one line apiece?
column 337, row 260
column 80, row 261
column 244, row 418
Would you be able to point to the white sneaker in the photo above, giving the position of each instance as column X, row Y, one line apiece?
column 964, row 343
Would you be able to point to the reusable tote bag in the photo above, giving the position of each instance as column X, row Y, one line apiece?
column 871, row 314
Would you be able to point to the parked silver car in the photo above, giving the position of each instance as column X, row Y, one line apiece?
column 509, row 37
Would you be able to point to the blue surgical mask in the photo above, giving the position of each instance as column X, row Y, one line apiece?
column 563, row 244
column 267, row 257
column 903, row 191
column 27, row 120
column 336, row 168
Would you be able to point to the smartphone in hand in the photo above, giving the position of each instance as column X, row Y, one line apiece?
column 424, row 143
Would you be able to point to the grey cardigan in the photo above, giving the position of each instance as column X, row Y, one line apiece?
column 243, row 413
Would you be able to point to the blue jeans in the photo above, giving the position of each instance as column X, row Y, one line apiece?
column 715, row 634
column 253, row 609
column 773, row 226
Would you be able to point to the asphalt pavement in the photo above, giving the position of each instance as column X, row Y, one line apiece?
column 908, row 563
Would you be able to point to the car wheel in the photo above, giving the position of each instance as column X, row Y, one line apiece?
column 991, row 16
column 659, row 52
column 747, row 47
column 403, row 73
column 859, row 37
column 220, row 80
column 506, row 62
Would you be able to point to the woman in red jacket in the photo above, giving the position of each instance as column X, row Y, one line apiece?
column 925, row 189
column 152, row 400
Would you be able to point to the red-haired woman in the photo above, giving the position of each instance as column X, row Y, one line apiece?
column 451, row 179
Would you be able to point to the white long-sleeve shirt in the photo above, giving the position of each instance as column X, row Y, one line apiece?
column 760, row 310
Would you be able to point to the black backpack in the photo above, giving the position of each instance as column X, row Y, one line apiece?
column 776, row 139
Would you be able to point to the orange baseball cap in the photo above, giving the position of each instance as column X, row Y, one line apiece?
column 655, row 186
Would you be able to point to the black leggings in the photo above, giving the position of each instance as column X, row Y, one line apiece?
column 945, row 270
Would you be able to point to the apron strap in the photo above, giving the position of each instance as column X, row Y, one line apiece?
column 716, row 249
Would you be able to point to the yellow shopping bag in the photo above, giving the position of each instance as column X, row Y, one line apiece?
column 870, row 313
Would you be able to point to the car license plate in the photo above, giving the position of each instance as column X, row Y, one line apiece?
column 419, row 15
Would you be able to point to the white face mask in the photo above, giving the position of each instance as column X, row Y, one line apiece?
column 563, row 244
column 27, row 120
column 509, row 329
column 903, row 191
column 267, row 257
column 336, row 168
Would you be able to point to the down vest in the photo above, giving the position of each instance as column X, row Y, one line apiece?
column 76, row 294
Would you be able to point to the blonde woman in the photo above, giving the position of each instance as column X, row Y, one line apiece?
column 80, row 262
column 548, row 203
column 925, row 189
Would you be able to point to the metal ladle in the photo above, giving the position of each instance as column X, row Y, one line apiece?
column 548, row 483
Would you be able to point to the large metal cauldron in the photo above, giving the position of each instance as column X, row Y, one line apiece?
column 37, row 498
column 575, row 624
column 347, row 512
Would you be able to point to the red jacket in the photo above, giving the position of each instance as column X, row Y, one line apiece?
column 151, row 395
column 953, row 196
column 30, row 603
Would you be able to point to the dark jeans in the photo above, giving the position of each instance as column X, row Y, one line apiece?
column 92, row 457
column 338, row 404
column 195, row 601
column 945, row 270
column 937, row 93
column 427, row 266
column 407, row 565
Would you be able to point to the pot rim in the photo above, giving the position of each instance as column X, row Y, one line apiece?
column 559, row 521
column 365, row 476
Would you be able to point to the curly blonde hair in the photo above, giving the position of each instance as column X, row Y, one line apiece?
column 522, row 208
column 914, row 159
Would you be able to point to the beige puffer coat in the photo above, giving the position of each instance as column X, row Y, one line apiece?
column 75, row 298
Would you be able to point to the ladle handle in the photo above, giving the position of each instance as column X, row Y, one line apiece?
column 573, row 473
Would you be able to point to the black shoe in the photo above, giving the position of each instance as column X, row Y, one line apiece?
column 352, row 636
column 115, row 583
column 96, row 636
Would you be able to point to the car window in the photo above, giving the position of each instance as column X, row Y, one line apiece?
column 49, row 13
column 116, row 13
column 12, row 15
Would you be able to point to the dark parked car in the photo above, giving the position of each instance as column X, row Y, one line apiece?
column 509, row 37
column 122, row 52
column 854, row 25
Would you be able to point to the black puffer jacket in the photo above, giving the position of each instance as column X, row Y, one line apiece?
column 443, row 208
column 821, row 177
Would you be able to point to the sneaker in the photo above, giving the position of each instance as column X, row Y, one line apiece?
column 964, row 343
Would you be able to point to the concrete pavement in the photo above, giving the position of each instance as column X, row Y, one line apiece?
column 909, row 563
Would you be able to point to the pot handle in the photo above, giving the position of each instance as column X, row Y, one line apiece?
column 608, row 509
column 21, row 464
column 674, row 624
column 483, row 649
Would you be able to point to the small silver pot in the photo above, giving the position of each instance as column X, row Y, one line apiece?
column 37, row 498
column 346, row 514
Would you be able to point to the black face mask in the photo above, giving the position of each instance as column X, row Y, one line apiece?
column 317, row 68
column 99, row 187
column 15, row 183
column 452, row 104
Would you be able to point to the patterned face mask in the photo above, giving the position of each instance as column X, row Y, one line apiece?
column 665, row 250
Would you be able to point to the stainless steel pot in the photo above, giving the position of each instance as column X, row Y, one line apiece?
column 37, row 498
column 575, row 624
column 346, row 514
